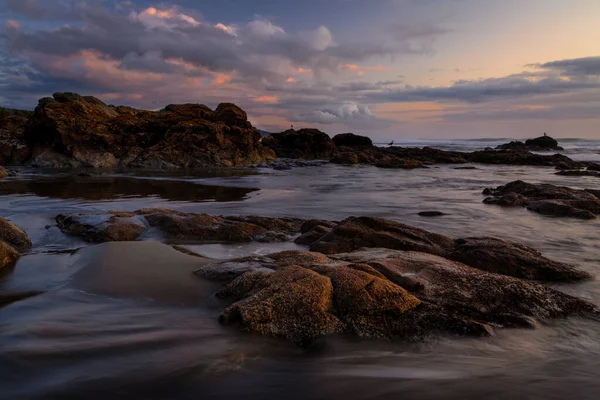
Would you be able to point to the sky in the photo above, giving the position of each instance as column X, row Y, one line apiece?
column 388, row 69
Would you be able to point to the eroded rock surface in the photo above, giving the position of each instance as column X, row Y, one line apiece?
column 307, row 144
column 546, row 199
column 542, row 143
column 124, row 226
column 380, row 293
column 13, row 235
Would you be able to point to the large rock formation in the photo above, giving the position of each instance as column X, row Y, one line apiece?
column 69, row 130
column 352, row 140
column 542, row 143
column 308, row 144
column 379, row 293
column 546, row 199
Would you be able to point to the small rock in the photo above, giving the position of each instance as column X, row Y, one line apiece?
column 431, row 213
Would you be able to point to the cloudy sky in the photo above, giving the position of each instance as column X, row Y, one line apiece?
column 403, row 69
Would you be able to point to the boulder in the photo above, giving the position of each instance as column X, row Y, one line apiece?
column 431, row 214
column 13, row 147
column 522, row 157
column 13, row 235
column 75, row 131
column 546, row 199
column 3, row 172
column 355, row 233
column 308, row 144
column 352, row 140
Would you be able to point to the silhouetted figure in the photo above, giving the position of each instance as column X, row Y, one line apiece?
column 391, row 143
column 292, row 126
column 545, row 134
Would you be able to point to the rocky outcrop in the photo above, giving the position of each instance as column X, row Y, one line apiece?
column 381, row 294
column 542, row 143
column 124, row 226
column 546, row 199
column 8, row 256
column 579, row 172
column 69, row 130
column 352, row 140
column 397, row 157
column 13, row 148
column 307, row 144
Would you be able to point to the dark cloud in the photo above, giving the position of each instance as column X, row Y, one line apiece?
column 575, row 67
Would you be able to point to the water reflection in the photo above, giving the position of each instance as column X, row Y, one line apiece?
column 102, row 187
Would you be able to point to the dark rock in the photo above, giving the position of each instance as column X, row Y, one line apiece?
column 578, row 172
column 399, row 163
column 354, row 233
column 512, row 259
column 3, row 172
column 431, row 214
column 543, row 143
column 13, row 147
column 468, row 167
column 546, row 199
column 514, row 145
column 308, row 144
column 13, row 235
column 352, row 140
column 522, row 157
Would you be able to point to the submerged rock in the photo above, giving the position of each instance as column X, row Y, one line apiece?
column 7, row 298
column 307, row 144
column 384, row 294
column 579, row 172
column 431, row 214
column 546, row 199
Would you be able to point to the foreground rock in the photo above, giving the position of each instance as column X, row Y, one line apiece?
column 307, row 144
column 488, row 254
column 69, row 130
column 546, row 199
column 8, row 256
column 382, row 294
column 13, row 235
column 542, row 143
column 123, row 226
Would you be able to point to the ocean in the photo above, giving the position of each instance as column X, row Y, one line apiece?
column 131, row 338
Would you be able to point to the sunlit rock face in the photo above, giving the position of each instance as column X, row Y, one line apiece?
column 69, row 130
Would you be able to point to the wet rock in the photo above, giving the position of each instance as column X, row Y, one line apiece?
column 70, row 130
column 8, row 256
column 564, row 208
column 346, row 158
column 546, row 199
column 13, row 147
column 213, row 228
column 512, row 259
column 431, row 214
column 13, row 235
column 542, row 143
column 399, row 163
column 7, row 298
column 578, row 172
column 352, row 140
column 313, row 235
column 355, row 233
column 468, row 167
column 522, row 157
column 305, row 144
column 99, row 228
column 385, row 294
column 3, row 172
